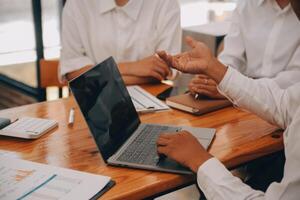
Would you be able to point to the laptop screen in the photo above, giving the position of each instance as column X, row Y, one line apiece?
column 106, row 106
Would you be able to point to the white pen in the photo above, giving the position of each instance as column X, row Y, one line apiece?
column 71, row 117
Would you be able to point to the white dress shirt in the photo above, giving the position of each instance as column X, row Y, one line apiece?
column 264, row 41
column 93, row 30
column 278, row 106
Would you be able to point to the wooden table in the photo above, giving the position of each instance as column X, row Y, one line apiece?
column 240, row 137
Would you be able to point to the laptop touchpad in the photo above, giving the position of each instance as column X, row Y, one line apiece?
column 168, row 163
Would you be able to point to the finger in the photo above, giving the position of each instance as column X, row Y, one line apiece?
column 179, row 61
column 175, row 64
column 163, row 65
column 166, row 135
column 191, row 41
column 165, row 57
column 191, row 89
column 207, row 77
column 162, row 142
column 209, row 88
column 163, row 150
column 162, row 54
column 186, row 133
column 156, row 75
column 203, row 81
column 204, row 92
column 164, row 72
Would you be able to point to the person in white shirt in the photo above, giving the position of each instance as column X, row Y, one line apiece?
column 263, row 97
column 129, row 30
column 263, row 41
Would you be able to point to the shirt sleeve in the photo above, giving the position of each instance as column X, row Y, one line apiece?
column 291, row 74
column 73, row 53
column 262, row 97
column 216, row 182
column 234, row 48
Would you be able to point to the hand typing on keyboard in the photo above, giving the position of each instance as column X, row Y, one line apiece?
column 184, row 148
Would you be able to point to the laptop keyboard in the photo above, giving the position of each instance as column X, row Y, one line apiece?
column 142, row 150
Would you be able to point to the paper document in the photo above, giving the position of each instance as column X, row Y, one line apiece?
column 144, row 101
column 21, row 179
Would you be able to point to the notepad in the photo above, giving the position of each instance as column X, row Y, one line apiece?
column 29, row 127
column 20, row 179
column 144, row 101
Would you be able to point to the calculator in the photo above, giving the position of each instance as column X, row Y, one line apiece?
column 29, row 127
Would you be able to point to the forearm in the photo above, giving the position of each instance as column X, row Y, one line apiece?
column 74, row 74
column 127, row 68
column 124, row 68
column 216, row 70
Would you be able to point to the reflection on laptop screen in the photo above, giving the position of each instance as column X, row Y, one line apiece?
column 106, row 106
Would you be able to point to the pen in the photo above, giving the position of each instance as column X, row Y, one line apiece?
column 196, row 96
column 71, row 117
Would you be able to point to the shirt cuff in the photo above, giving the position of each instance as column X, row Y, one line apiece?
column 231, row 85
column 212, row 168
column 211, row 171
column 224, row 85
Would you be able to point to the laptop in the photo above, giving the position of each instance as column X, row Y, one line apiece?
column 115, row 125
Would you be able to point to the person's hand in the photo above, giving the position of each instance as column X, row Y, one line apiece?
column 152, row 66
column 199, row 60
column 184, row 148
column 203, row 85
column 194, row 61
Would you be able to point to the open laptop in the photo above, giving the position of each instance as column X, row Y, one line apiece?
column 115, row 125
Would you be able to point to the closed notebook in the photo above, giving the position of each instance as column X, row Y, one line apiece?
column 188, row 103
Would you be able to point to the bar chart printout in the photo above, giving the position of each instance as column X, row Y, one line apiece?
column 21, row 179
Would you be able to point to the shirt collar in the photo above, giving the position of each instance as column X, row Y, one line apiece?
column 132, row 8
column 106, row 5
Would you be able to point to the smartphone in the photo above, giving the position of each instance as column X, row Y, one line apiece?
column 172, row 91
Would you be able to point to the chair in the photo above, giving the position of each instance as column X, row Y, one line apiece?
column 49, row 75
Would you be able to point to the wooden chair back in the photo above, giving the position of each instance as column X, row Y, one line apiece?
column 49, row 74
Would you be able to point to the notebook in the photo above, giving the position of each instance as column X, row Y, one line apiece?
column 202, row 105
